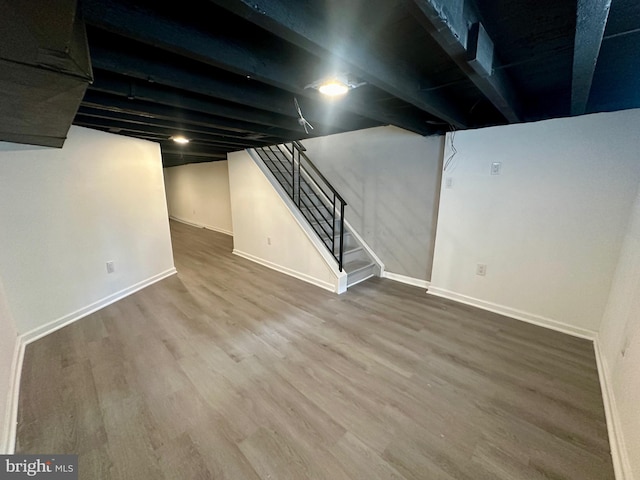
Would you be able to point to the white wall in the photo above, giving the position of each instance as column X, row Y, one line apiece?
column 66, row 212
column 549, row 228
column 390, row 180
column 8, row 346
column 259, row 214
column 199, row 194
column 619, row 343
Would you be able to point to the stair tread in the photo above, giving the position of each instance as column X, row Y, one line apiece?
column 337, row 236
column 357, row 265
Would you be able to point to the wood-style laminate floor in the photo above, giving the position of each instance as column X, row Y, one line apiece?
column 232, row 371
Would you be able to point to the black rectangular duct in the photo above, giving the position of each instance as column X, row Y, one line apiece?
column 44, row 69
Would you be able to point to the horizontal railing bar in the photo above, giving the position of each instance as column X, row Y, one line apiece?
column 314, row 216
column 317, row 208
column 269, row 153
column 326, row 217
column 311, row 185
column 315, row 169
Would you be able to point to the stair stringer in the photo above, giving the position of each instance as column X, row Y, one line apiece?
column 341, row 276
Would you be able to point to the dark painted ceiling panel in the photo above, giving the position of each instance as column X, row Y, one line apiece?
column 623, row 17
column 616, row 83
column 225, row 73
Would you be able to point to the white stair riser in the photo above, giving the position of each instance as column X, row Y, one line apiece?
column 352, row 255
column 360, row 275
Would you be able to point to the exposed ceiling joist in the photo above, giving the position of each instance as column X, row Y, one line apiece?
column 225, row 72
column 455, row 25
column 248, row 94
column 178, row 125
column 238, row 55
column 296, row 22
column 163, row 134
column 218, row 113
column 120, row 104
column 175, row 160
column 591, row 22
column 195, row 153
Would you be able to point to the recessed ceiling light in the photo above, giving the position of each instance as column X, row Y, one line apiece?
column 333, row 88
column 180, row 139
column 335, row 85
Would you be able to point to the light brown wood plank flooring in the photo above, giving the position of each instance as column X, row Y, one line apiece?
column 232, row 371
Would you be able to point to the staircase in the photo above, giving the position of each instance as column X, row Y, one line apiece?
column 321, row 206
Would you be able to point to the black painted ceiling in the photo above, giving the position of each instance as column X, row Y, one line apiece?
column 225, row 72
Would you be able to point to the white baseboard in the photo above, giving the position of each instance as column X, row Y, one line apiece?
column 202, row 225
column 416, row 282
column 296, row 215
column 8, row 439
column 61, row 322
column 514, row 313
column 619, row 455
column 8, row 435
column 293, row 273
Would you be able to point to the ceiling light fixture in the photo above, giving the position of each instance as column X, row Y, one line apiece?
column 333, row 88
column 335, row 85
column 180, row 139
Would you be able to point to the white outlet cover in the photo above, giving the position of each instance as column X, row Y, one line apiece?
column 496, row 168
column 481, row 269
column 111, row 267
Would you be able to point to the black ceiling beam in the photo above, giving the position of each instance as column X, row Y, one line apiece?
column 175, row 160
column 195, row 153
column 160, row 130
column 248, row 94
column 222, row 114
column 164, row 133
column 296, row 22
column 455, row 26
column 591, row 22
column 117, row 131
column 237, row 55
column 117, row 104
column 178, row 124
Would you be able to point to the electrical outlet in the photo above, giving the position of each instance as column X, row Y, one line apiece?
column 496, row 167
column 481, row 269
column 268, row 240
column 111, row 267
column 448, row 182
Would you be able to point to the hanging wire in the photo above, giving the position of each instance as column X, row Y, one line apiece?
column 302, row 121
column 451, row 147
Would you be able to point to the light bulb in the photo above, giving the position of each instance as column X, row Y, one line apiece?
column 333, row 88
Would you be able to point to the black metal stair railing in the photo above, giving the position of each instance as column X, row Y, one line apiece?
column 319, row 203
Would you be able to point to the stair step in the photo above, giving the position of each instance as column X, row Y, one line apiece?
column 327, row 224
column 277, row 171
column 347, row 239
column 356, row 265
column 317, row 216
column 358, row 271
column 351, row 254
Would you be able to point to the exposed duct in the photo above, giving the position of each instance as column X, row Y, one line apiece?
column 44, row 70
